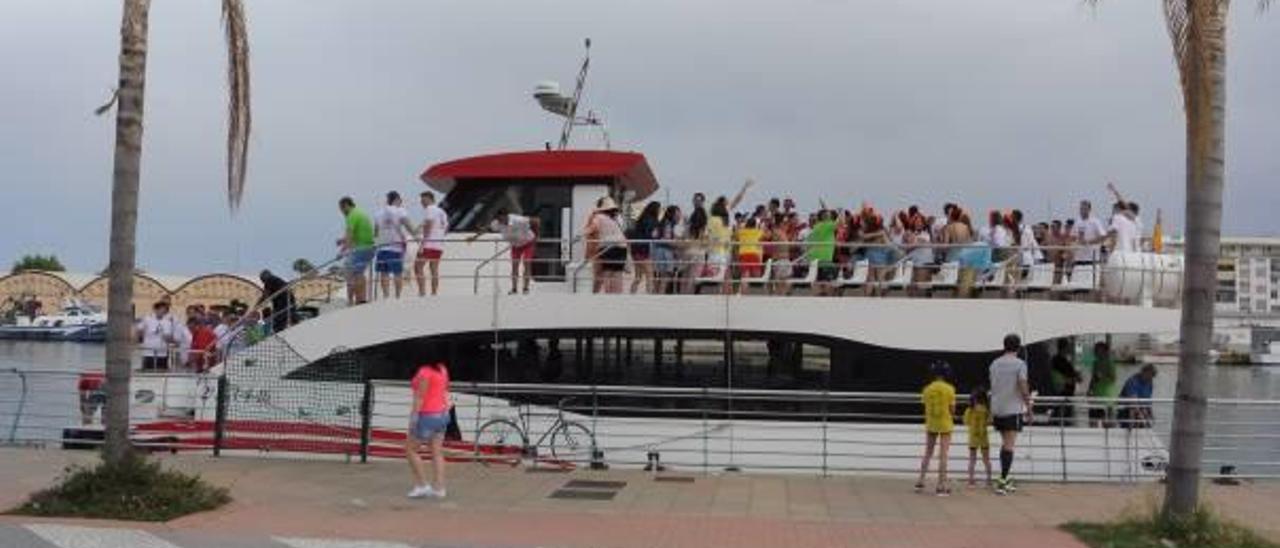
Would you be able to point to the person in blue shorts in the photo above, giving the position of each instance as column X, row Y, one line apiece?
column 356, row 245
column 391, row 229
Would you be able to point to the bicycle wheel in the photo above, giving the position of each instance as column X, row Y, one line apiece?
column 572, row 442
column 500, row 441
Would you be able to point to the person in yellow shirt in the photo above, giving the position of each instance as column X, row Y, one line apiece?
column 939, row 399
column 750, row 253
column 976, row 418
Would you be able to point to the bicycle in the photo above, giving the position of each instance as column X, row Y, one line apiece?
column 566, row 438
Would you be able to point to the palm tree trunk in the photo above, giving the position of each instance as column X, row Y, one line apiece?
column 1203, row 67
column 124, row 220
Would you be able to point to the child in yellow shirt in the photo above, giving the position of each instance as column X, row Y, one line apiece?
column 939, row 399
column 976, row 418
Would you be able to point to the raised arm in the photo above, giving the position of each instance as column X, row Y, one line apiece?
column 1111, row 187
column 737, row 198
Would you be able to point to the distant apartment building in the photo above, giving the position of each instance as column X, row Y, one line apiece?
column 1248, row 274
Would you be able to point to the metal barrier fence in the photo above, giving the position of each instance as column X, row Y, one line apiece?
column 682, row 429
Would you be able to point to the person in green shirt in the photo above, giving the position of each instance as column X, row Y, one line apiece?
column 1102, row 384
column 822, row 250
column 357, row 245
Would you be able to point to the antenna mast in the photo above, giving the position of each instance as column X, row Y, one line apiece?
column 571, row 118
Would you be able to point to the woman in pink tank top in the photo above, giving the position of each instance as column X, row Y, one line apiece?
column 428, row 420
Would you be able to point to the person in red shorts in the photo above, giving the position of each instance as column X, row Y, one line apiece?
column 521, row 233
column 433, row 232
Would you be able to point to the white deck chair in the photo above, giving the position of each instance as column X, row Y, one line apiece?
column 1083, row 279
column 717, row 279
column 994, row 279
column 901, row 276
column 857, row 278
column 807, row 281
column 1039, row 278
column 948, row 277
column 763, row 279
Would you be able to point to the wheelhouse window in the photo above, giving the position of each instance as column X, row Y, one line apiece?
column 474, row 203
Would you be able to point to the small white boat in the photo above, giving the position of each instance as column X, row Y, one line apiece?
column 76, row 321
column 1271, row 355
column 1264, row 345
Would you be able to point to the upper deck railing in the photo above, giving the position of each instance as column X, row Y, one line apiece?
column 676, row 267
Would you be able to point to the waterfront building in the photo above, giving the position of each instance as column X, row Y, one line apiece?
column 52, row 289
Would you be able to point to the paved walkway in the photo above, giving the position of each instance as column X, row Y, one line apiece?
column 281, row 502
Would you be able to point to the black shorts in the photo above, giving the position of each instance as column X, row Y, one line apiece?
column 155, row 363
column 613, row 259
column 1099, row 413
column 1007, row 423
column 827, row 271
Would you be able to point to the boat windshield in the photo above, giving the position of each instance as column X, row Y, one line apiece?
column 473, row 203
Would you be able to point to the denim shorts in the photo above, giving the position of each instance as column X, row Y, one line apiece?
column 358, row 260
column 430, row 424
column 389, row 261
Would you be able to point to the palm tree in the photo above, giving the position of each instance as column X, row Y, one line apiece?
column 1198, row 29
column 124, row 191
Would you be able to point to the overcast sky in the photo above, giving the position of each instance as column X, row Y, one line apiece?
column 993, row 103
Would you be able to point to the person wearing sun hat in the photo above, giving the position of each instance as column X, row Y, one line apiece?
column 610, row 241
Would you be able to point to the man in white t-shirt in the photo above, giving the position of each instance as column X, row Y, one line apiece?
column 1123, row 234
column 390, row 226
column 434, row 227
column 1090, row 233
column 155, row 333
column 1010, row 405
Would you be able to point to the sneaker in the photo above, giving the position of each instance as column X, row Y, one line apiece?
column 943, row 491
column 919, row 487
column 434, row 493
column 419, row 491
column 1010, row 486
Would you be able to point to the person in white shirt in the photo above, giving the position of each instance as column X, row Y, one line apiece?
column 1123, row 234
column 1129, row 208
column 1010, row 404
column 434, row 227
column 390, row 226
column 1029, row 248
column 155, row 333
column 182, row 339
column 521, row 235
column 1090, row 233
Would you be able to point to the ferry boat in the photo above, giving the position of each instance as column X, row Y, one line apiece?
column 305, row 388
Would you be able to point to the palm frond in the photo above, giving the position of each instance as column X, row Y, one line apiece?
column 239, row 115
column 1177, row 19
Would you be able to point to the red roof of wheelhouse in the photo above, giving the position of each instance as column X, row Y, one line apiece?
column 630, row 169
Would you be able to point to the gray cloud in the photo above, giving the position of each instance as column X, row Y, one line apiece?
column 996, row 103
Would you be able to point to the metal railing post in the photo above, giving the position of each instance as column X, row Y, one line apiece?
column 220, row 416
column 826, row 402
column 366, row 420
column 1062, row 436
column 706, row 465
column 22, row 403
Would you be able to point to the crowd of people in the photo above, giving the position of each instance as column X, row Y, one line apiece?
column 668, row 250
column 199, row 338
column 671, row 249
